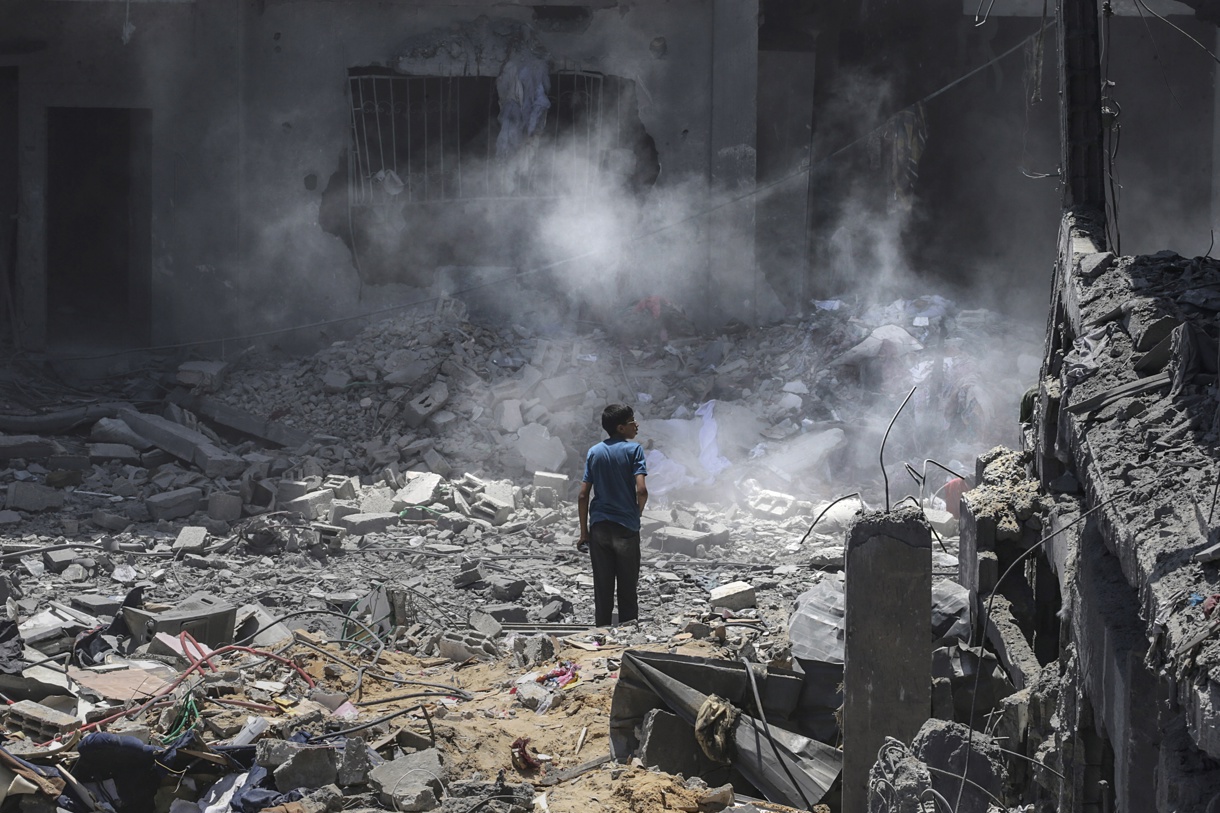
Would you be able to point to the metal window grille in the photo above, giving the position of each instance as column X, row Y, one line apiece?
column 422, row 139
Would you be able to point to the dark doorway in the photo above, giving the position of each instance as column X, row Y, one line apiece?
column 98, row 225
column 8, row 202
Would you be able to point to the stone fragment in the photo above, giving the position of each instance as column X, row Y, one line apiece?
column 485, row 624
column 471, row 573
column 108, row 521
column 24, row 496
column 181, row 502
column 732, row 596
column 100, row 606
column 673, row 539
column 413, row 782
column 335, row 381
column 437, row 462
column 8, row 517
column 224, row 507
column 361, row 524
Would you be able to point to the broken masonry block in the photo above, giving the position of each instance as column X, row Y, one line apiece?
column 191, row 539
column 25, row 446
column 485, row 624
column 507, row 613
column 287, row 490
column 354, row 766
column 314, row 505
column 541, row 450
column 506, row 588
column 411, row 782
column 33, row 497
column 533, row 650
column 106, row 452
column 472, row 573
column 562, row 392
column 57, row 561
column 732, row 596
column 437, row 463
column 174, row 504
column 419, row 409
column 224, row 507
column 38, row 721
column 772, row 504
column 208, row 375
column 345, row 488
column 185, row 444
column 462, row 646
column 673, row 539
column 423, row 489
column 308, row 768
column 547, row 479
column 507, row 415
column 361, row 524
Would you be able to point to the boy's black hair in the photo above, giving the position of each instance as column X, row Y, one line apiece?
column 615, row 416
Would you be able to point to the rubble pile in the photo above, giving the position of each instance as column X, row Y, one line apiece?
column 352, row 581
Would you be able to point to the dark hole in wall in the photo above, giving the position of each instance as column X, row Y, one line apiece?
column 98, row 224
column 8, row 197
column 562, row 19
column 424, row 186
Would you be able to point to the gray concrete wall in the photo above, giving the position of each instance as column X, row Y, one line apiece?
column 249, row 98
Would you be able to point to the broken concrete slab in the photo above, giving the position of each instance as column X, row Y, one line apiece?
column 191, row 539
column 30, row 447
column 185, row 444
column 107, row 452
column 307, row 769
column 209, row 375
column 224, row 507
column 423, row 489
column 542, row 451
column 361, row 524
column 33, row 497
column 412, row 782
column 115, row 430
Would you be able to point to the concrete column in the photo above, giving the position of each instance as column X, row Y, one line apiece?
column 733, row 284
column 887, row 664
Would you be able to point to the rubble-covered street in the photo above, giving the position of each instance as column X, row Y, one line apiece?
column 378, row 544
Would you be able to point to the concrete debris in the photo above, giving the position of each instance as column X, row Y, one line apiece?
column 393, row 520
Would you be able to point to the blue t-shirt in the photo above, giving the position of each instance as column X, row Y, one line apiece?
column 611, row 466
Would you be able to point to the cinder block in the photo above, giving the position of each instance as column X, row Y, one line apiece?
column 732, row 596
column 224, row 507
column 422, row 407
column 191, row 539
column 314, row 505
column 39, row 721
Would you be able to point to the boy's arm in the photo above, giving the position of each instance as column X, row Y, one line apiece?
column 641, row 492
column 582, row 508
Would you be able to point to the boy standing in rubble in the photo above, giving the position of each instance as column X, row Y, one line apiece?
column 610, row 523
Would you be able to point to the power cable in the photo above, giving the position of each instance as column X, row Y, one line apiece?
column 757, row 191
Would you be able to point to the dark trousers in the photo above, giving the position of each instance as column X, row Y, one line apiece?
column 615, row 555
